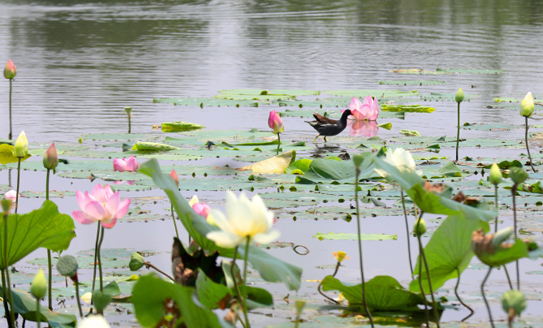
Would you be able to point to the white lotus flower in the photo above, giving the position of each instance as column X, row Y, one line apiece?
column 246, row 218
column 93, row 321
column 401, row 159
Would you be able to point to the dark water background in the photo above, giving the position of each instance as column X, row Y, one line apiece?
column 81, row 62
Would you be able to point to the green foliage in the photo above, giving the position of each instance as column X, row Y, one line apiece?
column 180, row 126
column 503, row 255
column 44, row 227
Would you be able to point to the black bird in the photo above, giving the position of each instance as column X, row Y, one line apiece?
column 328, row 127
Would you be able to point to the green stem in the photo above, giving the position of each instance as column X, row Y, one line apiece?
column 434, row 304
column 8, row 282
column 508, row 277
column 95, row 259
column 38, row 309
column 458, row 296
column 407, row 232
column 17, row 198
column 246, row 264
column 78, row 299
column 100, row 259
column 278, row 143
column 10, row 129
column 175, row 224
column 360, row 247
column 528, row 148
column 458, row 132
column 236, row 286
column 513, row 192
column 150, row 265
column 419, row 278
column 50, row 266
column 4, row 293
column 496, row 201
column 129, row 123
column 484, row 297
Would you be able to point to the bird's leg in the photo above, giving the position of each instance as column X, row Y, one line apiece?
column 325, row 139
column 316, row 138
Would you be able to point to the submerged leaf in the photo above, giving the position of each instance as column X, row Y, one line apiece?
column 276, row 164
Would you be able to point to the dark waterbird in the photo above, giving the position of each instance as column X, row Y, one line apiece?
column 328, row 127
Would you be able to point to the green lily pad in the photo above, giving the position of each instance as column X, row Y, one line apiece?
column 354, row 236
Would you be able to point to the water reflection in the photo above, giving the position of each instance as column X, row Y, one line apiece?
column 362, row 128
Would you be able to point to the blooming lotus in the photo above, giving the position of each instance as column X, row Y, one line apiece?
column 401, row 159
column 102, row 204
column 125, row 164
column 10, row 71
column 275, row 123
column 363, row 128
column 364, row 111
column 245, row 219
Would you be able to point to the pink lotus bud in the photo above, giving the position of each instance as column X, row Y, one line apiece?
column 119, row 165
column 50, row 159
column 201, row 209
column 10, row 71
column 275, row 123
column 131, row 164
column 175, row 177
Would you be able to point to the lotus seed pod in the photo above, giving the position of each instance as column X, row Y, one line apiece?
column 459, row 96
column 128, row 110
column 39, row 285
column 420, row 227
column 495, row 174
column 358, row 159
column 67, row 266
column 518, row 175
column 513, row 299
column 136, row 261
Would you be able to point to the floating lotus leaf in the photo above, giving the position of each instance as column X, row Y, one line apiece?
column 408, row 108
column 209, row 102
column 354, row 236
column 276, row 164
column 263, row 92
column 411, row 82
column 441, row 71
column 379, row 93
column 180, row 126
column 152, row 146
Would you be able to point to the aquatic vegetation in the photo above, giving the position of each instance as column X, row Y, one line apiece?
column 10, row 71
column 526, row 111
column 459, row 98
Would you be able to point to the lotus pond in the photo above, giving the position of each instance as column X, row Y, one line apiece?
column 171, row 63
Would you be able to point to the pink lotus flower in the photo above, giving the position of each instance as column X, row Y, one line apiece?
column 125, row 164
column 200, row 208
column 275, row 123
column 363, row 128
column 366, row 111
column 50, row 159
column 12, row 197
column 175, row 177
column 10, row 71
column 100, row 205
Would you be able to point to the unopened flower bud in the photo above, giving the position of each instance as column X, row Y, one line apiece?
column 518, row 175
column 20, row 149
column 39, row 285
column 136, row 261
column 175, row 177
column 420, row 227
column 459, row 96
column 10, row 71
column 50, row 159
column 527, row 105
column 495, row 174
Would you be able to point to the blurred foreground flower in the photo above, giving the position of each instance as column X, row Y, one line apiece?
column 246, row 219
column 102, row 204
column 401, row 159
column 93, row 321
column 125, row 164
column 364, row 111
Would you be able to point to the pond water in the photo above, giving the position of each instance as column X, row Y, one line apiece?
column 81, row 62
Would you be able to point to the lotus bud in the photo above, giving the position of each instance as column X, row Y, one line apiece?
column 136, row 261
column 518, row 175
column 67, row 266
column 420, row 227
column 39, row 285
column 459, row 96
column 275, row 123
column 495, row 174
column 515, row 300
column 10, row 71
column 527, row 105
column 175, row 177
column 50, row 159
column 20, row 149
column 358, row 159
column 6, row 205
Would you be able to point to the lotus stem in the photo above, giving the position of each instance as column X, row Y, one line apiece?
column 421, row 249
column 175, row 224
column 360, row 247
column 419, row 278
column 10, row 129
column 150, row 265
column 50, row 273
column 513, row 192
column 245, row 260
column 278, row 143
column 458, row 296
column 95, row 259
column 78, row 299
column 38, row 319
column 319, row 288
column 4, row 293
column 8, row 282
column 129, row 123
column 407, row 233
column 18, row 183
column 458, row 132
column 528, row 148
column 236, row 286
column 100, row 259
column 508, row 277
column 484, row 297
column 496, row 230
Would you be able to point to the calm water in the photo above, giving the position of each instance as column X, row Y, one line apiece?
column 81, row 62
